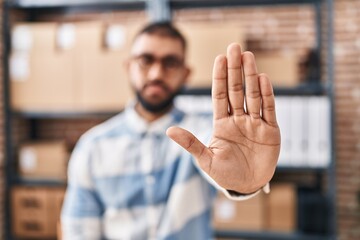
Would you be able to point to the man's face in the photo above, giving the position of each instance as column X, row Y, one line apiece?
column 157, row 70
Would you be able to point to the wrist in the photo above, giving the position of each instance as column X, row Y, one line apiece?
column 265, row 188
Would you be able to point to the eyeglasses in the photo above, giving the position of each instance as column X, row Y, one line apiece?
column 169, row 63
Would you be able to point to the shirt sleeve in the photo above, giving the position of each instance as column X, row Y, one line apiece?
column 82, row 209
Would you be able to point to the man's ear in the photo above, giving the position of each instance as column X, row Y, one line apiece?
column 187, row 74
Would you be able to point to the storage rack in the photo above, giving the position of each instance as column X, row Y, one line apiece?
column 161, row 10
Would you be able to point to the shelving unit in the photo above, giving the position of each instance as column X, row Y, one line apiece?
column 160, row 10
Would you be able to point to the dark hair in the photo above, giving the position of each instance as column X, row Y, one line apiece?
column 163, row 29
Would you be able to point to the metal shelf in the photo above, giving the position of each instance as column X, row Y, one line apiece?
column 76, row 6
column 38, row 182
column 267, row 235
column 64, row 114
column 293, row 169
column 16, row 238
column 174, row 4
column 301, row 90
column 182, row 4
column 69, row 3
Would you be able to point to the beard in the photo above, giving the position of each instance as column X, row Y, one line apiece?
column 160, row 106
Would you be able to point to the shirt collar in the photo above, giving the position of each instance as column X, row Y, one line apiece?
column 139, row 125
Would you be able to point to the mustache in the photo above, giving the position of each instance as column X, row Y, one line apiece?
column 157, row 83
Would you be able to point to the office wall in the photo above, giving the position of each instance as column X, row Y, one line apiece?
column 347, row 127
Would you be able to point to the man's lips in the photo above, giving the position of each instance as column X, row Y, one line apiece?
column 155, row 89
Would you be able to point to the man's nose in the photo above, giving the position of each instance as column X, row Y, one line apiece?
column 156, row 71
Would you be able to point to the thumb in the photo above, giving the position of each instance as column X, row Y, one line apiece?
column 189, row 142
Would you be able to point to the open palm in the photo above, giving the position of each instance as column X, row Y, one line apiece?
column 245, row 145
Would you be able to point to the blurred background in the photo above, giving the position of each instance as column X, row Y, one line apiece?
column 62, row 74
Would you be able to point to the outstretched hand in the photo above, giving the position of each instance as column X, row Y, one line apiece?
column 245, row 145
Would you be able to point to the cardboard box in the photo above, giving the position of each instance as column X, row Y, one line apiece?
column 236, row 215
column 43, row 160
column 100, row 68
column 282, row 205
column 112, row 91
column 49, row 84
column 70, row 67
column 33, row 213
column 31, row 226
column 41, row 75
column 205, row 41
column 56, row 198
column 282, row 69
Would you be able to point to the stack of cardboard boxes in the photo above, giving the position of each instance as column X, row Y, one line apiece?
column 207, row 40
column 70, row 67
column 80, row 66
column 36, row 211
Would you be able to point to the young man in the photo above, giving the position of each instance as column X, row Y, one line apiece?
column 128, row 180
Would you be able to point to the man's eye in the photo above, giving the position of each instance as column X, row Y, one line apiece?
column 146, row 60
column 172, row 63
